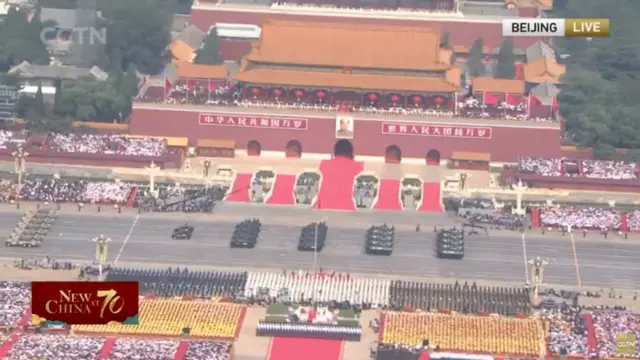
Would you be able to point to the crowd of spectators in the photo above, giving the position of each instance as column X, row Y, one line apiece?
column 581, row 217
column 107, row 144
column 56, row 347
column 540, row 166
column 58, row 190
column 618, row 170
column 633, row 220
column 15, row 299
column 138, row 349
column 567, row 330
column 593, row 169
column 207, row 350
column 610, row 323
column 6, row 190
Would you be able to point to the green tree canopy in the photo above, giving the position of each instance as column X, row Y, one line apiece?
column 475, row 63
column 600, row 98
column 209, row 53
column 506, row 60
column 137, row 33
column 88, row 99
column 20, row 39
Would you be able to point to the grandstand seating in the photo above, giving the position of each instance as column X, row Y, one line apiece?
column 468, row 334
column 338, row 287
column 168, row 317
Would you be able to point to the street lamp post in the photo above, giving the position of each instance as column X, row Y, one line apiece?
column 102, row 250
column 537, row 276
column 19, row 161
column 152, row 171
column 519, row 188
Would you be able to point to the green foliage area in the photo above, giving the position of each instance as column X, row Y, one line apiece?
column 600, row 97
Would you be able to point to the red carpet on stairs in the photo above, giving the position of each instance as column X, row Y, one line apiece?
column 182, row 350
column 282, row 193
column 307, row 349
column 336, row 188
column 240, row 188
column 592, row 342
column 431, row 201
column 106, row 348
column 6, row 346
column 388, row 195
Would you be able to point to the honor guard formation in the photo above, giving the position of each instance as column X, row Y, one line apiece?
column 272, row 121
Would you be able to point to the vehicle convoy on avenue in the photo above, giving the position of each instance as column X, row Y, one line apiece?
column 319, row 180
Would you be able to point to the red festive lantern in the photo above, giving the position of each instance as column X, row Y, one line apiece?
column 439, row 100
column 320, row 94
column 299, row 93
column 373, row 97
column 277, row 92
column 395, row 98
column 255, row 91
column 417, row 99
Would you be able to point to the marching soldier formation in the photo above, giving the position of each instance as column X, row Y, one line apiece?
column 183, row 282
column 463, row 298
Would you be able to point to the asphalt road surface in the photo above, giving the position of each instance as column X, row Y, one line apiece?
column 499, row 257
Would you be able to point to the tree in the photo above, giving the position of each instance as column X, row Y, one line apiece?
column 444, row 42
column 20, row 39
column 476, row 55
column 88, row 99
column 209, row 53
column 139, row 31
column 600, row 100
column 506, row 60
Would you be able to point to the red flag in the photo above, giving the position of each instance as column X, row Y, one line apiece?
column 191, row 84
column 555, row 105
column 167, row 85
column 212, row 86
column 534, row 101
column 490, row 99
column 512, row 100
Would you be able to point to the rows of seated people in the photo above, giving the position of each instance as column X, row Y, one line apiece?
column 226, row 96
column 70, row 347
column 567, row 330
column 467, row 333
column 633, row 220
column 302, row 287
column 183, row 282
column 593, row 169
column 78, row 191
column 168, row 317
column 15, row 299
column 609, row 323
column 463, row 298
column 581, row 217
column 106, row 144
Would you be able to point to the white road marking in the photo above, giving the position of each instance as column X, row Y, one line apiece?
column 126, row 239
column 526, row 261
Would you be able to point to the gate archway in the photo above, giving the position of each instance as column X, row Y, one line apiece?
column 393, row 155
column 254, row 148
column 294, row 149
column 433, row 157
column 343, row 148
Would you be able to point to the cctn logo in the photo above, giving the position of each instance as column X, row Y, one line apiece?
column 626, row 344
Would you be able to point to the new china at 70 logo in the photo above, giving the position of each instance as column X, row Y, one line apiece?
column 84, row 303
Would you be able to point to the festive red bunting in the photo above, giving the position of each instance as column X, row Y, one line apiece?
column 490, row 99
column 320, row 94
column 512, row 100
column 255, row 91
column 373, row 97
column 277, row 92
column 395, row 98
column 439, row 100
column 299, row 93
column 417, row 99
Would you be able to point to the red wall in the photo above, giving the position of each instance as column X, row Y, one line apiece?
column 505, row 145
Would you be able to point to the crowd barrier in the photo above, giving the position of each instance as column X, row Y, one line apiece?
column 303, row 330
column 169, row 161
